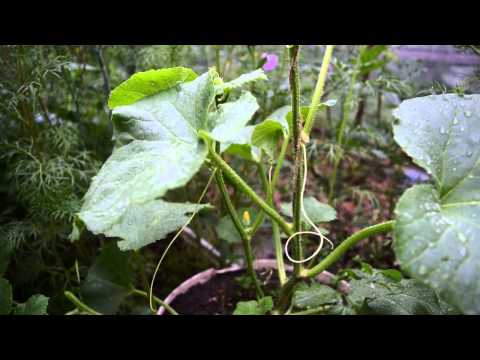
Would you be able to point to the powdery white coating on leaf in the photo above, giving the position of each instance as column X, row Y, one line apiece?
column 135, row 175
column 157, row 150
column 436, row 232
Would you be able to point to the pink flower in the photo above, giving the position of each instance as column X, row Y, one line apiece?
column 272, row 61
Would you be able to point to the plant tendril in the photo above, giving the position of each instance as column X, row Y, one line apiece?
column 317, row 231
column 175, row 238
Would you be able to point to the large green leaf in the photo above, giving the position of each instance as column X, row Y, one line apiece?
column 35, row 305
column 378, row 292
column 108, row 280
column 174, row 115
column 437, row 237
column 5, row 297
column 157, row 148
column 148, row 83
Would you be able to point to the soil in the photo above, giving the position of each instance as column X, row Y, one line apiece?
column 220, row 294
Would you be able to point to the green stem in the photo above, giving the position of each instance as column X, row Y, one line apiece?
column 335, row 255
column 246, row 239
column 347, row 106
column 285, row 295
column 276, row 172
column 79, row 304
column 280, row 159
column 217, row 59
column 240, row 184
column 157, row 300
column 298, row 164
column 277, row 242
column 317, row 94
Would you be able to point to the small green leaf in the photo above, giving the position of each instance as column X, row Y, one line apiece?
column 109, row 280
column 317, row 211
column 436, row 233
column 244, row 79
column 315, row 295
column 254, row 307
column 232, row 117
column 148, row 83
column 5, row 297
column 267, row 135
column 241, row 145
column 35, row 305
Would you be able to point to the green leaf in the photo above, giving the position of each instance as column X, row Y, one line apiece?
column 315, row 295
column 267, row 135
column 411, row 298
column 6, row 248
column 173, row 116
column 5, row 297
column 371, row 59
column 304, row 110
column 317, row 211
column 249, row 142
column 232, row 117
column 378, row 293
column 157, row 150
column 227, row 231
column 244, row 79
column 254, row 307
column 108, row 280
column 241, row 145
column 35, row 305
column 280, row 116
column 436, row 232
column 148, row 83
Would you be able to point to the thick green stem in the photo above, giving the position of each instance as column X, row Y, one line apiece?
column 335, row 255
column 347, row 106
column 240, row 184
column 79, row 304
column 298, row 164
column 285, row 295
column 246, row 240
column 157, row 300
column 317, row 94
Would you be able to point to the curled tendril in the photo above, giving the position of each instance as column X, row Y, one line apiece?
column 317, row 231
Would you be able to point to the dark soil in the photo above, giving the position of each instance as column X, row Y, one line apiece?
column 220, row 295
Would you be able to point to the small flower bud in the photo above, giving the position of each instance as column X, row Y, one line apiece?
column 246, row 218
